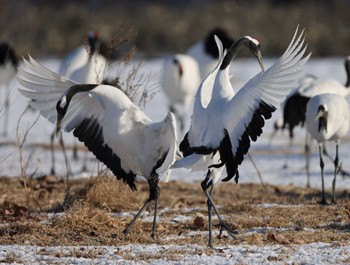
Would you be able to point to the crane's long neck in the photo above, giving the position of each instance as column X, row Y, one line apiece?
column 222, row 86
column 232, row 52
column 63, row 104
column 78, row 88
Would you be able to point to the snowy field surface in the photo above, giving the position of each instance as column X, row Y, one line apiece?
column 269, row 157
column 316, row 253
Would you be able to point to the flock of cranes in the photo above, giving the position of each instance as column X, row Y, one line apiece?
column 295, row 113
column 222, row 123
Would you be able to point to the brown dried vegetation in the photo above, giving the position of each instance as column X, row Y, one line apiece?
column 270, row 215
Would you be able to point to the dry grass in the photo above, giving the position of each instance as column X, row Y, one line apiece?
column 271, row 215
column 11, row 257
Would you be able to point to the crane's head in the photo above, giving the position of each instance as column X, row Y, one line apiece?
column 179, row 66
column 254, row 46
column 63, row 103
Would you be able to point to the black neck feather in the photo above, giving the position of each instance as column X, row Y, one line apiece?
column 232, row 52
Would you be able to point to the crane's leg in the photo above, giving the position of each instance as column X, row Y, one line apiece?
column 52, row 138
column 342, row 171
column 205, row 185
column 290, row 146
column 85, row 160
column 336, row 168
column 153, row 196
column 323, row 200
column 308, row 144
column 256, row 168
column 210, row 224
column 156, row 201
column 276, row 127
column 69, row 172
column 132, row 223
column 75, row 149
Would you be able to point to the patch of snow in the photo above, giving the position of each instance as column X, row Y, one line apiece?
column 315, row 253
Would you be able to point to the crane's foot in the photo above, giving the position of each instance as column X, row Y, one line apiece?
column 333, row 201
column 229, row 230
column 323, row 201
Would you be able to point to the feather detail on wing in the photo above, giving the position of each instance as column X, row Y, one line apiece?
column 197, row 162
column 42, row 86
column 45, row 88
column 84, row 112
column 244, row 115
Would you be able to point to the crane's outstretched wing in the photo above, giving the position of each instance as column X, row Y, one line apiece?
column 45, row 88
column 85, row 112
column 244, row 115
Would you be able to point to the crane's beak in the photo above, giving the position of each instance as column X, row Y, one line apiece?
column 259, row 57
column 60, row 114
column 321, row 112
column 321, row 117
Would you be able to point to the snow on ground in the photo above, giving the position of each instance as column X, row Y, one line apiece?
column 269, row 163
column 315, row 253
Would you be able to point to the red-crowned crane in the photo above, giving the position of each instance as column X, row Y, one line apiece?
column 112, row 127
column 327, row 119
column 223, row 124
column 180, row 81
column 295, row 108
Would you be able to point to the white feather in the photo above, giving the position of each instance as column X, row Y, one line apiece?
column 127, row 130
column 271, row 86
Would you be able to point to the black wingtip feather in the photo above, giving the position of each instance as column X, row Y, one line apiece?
column 252, row 132
column 91, row 134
